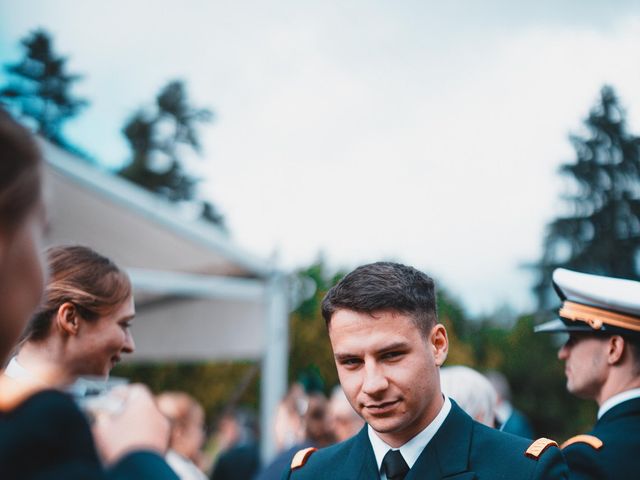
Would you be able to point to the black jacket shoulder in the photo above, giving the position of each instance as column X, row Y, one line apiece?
column 47, row 437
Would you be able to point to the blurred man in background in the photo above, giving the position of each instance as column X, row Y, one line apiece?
column 187, row 433
column 471, row 391
column 301, row 422
column 508, row 419
column 602, row 363
column 344, row 421
column 237, row 440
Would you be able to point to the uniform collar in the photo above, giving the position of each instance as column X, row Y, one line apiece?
column 617, row 400
column 413, row 448
column 18, row 372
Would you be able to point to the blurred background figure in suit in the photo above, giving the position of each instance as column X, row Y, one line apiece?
column 471, row 391
column 508, row 418
column 301, row 422
column 187, row 433
column 239, row 457
column 344, row 422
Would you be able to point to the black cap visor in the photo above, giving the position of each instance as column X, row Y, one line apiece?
column 561, row 326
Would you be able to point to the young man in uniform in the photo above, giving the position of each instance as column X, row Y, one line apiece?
column 388, row 348
column 602, row 363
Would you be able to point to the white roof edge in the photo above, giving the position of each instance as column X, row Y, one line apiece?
column 151, row 206
column 197, row 285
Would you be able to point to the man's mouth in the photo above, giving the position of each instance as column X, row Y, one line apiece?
column 381, row 407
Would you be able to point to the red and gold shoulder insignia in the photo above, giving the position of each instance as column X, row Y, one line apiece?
column 301, row 457
column 538, row 447
column 593, row 442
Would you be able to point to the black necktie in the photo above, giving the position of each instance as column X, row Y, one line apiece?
column 394, row 465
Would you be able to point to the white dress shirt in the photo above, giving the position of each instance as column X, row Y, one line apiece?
column 183, row 467
column 617, row 400
column 413, row 448
column 18, row 372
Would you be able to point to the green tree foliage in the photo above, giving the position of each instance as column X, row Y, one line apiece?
column 40, row 87
column 601, row 234
column 310, row 349
column 159, row 141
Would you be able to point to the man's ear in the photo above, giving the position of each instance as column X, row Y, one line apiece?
column 616, row 347
column 439, row 342
column 67, row 318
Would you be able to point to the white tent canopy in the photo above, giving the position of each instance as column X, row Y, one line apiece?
column 198, row 296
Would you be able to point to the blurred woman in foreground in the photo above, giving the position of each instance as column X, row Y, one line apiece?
column 42, row 433
column 82, row 326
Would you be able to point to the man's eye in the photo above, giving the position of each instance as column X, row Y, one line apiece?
column 350, row 362
column 391, row 355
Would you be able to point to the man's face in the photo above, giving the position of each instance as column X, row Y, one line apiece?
column 389, row 370
column 585, row 357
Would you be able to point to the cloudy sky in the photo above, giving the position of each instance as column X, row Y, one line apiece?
column 421, row 131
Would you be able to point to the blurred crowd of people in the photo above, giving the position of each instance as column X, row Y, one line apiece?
column 309, row 419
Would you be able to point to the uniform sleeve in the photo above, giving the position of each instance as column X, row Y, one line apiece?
column 582, row 462
column 551, row 465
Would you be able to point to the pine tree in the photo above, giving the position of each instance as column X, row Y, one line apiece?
column 602, row 233
column 156, row 140
column 40, row 87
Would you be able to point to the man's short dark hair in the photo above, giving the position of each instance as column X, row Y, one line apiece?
column 633, row 342
column 385, row 286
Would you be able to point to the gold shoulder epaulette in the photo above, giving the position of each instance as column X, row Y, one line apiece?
column 593, row 442
column 301, row 457
column 538, row 447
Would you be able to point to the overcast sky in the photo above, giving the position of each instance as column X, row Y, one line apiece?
column 421, row 131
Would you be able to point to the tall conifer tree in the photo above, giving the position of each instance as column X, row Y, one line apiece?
column 601, row 233
column 40, row 87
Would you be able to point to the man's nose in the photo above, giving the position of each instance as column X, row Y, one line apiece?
column 563, row 353
column 375, row 381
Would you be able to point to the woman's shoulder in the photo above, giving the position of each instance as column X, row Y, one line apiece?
column 41, row 413
column 18, row 396
column 46, row 402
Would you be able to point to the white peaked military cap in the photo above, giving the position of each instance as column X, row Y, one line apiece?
column 594, row 303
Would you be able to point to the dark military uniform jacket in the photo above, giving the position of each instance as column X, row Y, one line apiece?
column 613, row 449
column 462, row 449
